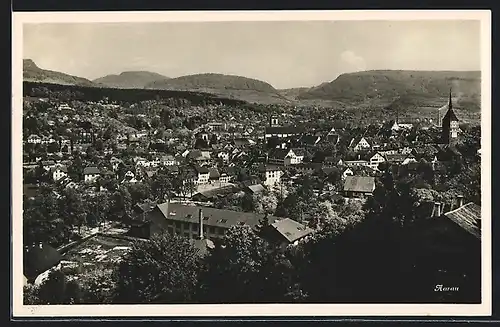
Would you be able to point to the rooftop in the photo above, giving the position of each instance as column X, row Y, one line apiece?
column 468, row 217
column 212, row 216
column 90, row 170
column 291, row 230
column 359, row 184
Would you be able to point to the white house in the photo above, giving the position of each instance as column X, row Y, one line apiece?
column 34, row 139
column 375, row 160
column 223, row 155
column 168, row 160
column 357, row 163
column 59, row 173
column 285, row 157
column 359, row 144
column 129, row 177
column 271, row 175
column 203, row 175
column 347, row 172
column 91, row 174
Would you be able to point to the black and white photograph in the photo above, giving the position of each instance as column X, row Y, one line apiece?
column 251, row 163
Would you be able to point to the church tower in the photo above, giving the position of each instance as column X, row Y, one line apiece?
column 450, row 128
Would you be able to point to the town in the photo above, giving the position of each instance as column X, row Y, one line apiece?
column 170, row 200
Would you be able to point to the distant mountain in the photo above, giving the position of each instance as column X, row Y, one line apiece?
column 33, row 73
column 231, row 86
column 392, row 88
column 130, row 79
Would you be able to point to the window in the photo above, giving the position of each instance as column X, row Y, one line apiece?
column 221, row 231
column 178, row 224
column 186, row 226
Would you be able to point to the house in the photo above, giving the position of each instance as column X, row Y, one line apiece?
column 48, row 140
column 34, row 139
column 427, row 152
column 332, row 162
column 224, row 155
column 214, row 194
column 357, row 163
column 90, row 174
column 359, row 186
column 243, row 142
column 308, row 167
column 288, row 232
column 285, row 157
column 271, row 175
column 347, row 172
column 121, row 138
column 71, row 185
column 48, row 164
column 59, row 173
column 129, row 177
column 39, row 258
column 227, row 175
column 115, row 163
column 198, row 155
column 217, row 127
column 202, row 173
column 196, row 222
column 254, row 189
column 141, row 210
column 282, row 132
column 375, row 160
column 359, row 143
column 467, row 217
column 310, row 140
column 400, row 159
column 331, row 137
column 168, row 160
column 452, row 240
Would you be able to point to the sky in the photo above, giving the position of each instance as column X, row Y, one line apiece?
column 285, row 54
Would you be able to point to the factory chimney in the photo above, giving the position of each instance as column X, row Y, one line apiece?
column 200, row 222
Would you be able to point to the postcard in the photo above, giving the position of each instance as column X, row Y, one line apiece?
column 252, row 163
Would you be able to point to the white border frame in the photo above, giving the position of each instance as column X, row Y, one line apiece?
column 233, row 310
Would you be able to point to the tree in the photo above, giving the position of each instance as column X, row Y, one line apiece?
column 75, row 169
column 98, row 287
column 323, row 214
column 121, row 203
column 98, row 208
column 162, row 185
column 162, row 270
column 56, row 289
column 265, row 203
column 247, row 269
column 42, row 221
column 73, row 208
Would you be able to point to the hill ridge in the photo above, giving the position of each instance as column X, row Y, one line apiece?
column 32, row 72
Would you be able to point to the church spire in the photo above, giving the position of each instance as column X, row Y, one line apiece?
column 449, row 101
